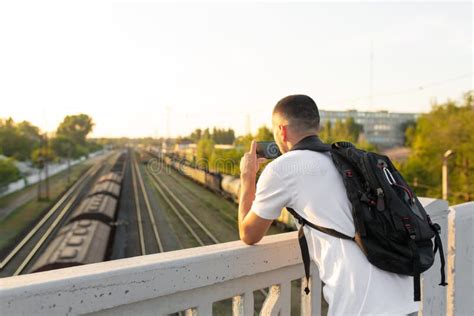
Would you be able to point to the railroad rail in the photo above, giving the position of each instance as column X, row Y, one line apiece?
column 173, row 201
column 139, row 186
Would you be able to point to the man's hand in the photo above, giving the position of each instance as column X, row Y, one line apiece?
column 249, row 164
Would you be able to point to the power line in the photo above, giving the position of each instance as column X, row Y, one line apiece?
column 409, row 90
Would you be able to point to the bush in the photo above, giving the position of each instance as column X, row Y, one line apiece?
column 8, row 172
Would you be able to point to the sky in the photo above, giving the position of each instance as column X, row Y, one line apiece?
column 144, row 68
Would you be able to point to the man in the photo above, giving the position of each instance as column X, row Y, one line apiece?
column 308, row 182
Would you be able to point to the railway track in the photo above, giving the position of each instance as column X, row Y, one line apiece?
column 142, row 204
column 18, row 259
column 192, row 223
column 197, row 229
column 231, row 221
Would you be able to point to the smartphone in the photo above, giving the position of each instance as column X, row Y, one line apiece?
column 268, row 150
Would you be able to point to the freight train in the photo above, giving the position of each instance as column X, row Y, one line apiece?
column 228, row 186
column 87, row 234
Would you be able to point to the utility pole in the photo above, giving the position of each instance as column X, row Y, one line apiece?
column 445, row 184
column 40, row 168
column 69, row 163
column 46, row 174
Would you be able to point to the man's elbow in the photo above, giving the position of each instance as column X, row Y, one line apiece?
column 249, row 239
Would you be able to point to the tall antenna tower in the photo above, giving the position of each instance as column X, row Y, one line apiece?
column 248, row 129
column 168, row 117
column 371, row 75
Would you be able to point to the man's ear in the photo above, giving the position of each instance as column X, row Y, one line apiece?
column 284, row 132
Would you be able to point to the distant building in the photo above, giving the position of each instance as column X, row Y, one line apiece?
column 380, row 128
column 187, row 150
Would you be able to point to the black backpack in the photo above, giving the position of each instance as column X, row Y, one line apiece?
column 392, row 227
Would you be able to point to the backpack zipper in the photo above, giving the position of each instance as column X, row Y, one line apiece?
column 410, row 194
column 373, row 181
column 380, row 200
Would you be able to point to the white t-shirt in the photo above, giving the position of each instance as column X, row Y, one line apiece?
column 309, row 183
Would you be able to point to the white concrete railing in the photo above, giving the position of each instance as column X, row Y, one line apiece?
column 169, row 282
column 196, row 278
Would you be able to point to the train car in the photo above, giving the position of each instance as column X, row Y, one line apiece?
column 111, row 176
column 80, row 242
column 107, row 187
column 198, row 175
column 213, row 181
column 85, row 238
column 101, row 207
column 231, row 186
column 186, row 170
column 119, row 165
column 168, row 161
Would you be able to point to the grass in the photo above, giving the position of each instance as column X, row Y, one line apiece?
column 12, row 227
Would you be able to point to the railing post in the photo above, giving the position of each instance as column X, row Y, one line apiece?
column 311, row 303
column 460, row 260
column 434, row 296
column 190, row 312
column 285, row 298
column 243, row 305
column 271, row 306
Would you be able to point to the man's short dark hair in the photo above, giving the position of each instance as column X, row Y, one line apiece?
column 300, row 111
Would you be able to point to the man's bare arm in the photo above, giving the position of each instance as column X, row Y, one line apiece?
column 252, row 228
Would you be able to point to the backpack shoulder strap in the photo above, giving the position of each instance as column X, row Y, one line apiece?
column 302, row 221
column 304, row 243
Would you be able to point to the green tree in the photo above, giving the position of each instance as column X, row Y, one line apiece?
column 242, row 143
column 76, row 128
column 408, row 128
column 206, row 134
column 325, row 132
column 18, row 140
column 8, row 137
column 73, row 132
column 63, row 146
column 226, row 161
column 345, row 130
column 42, row 155
column 342, row 130
column 8, row 171
column 264, row 134
column 223, row 136
column 447, row 126
column 196, row 135
column 205, row 148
